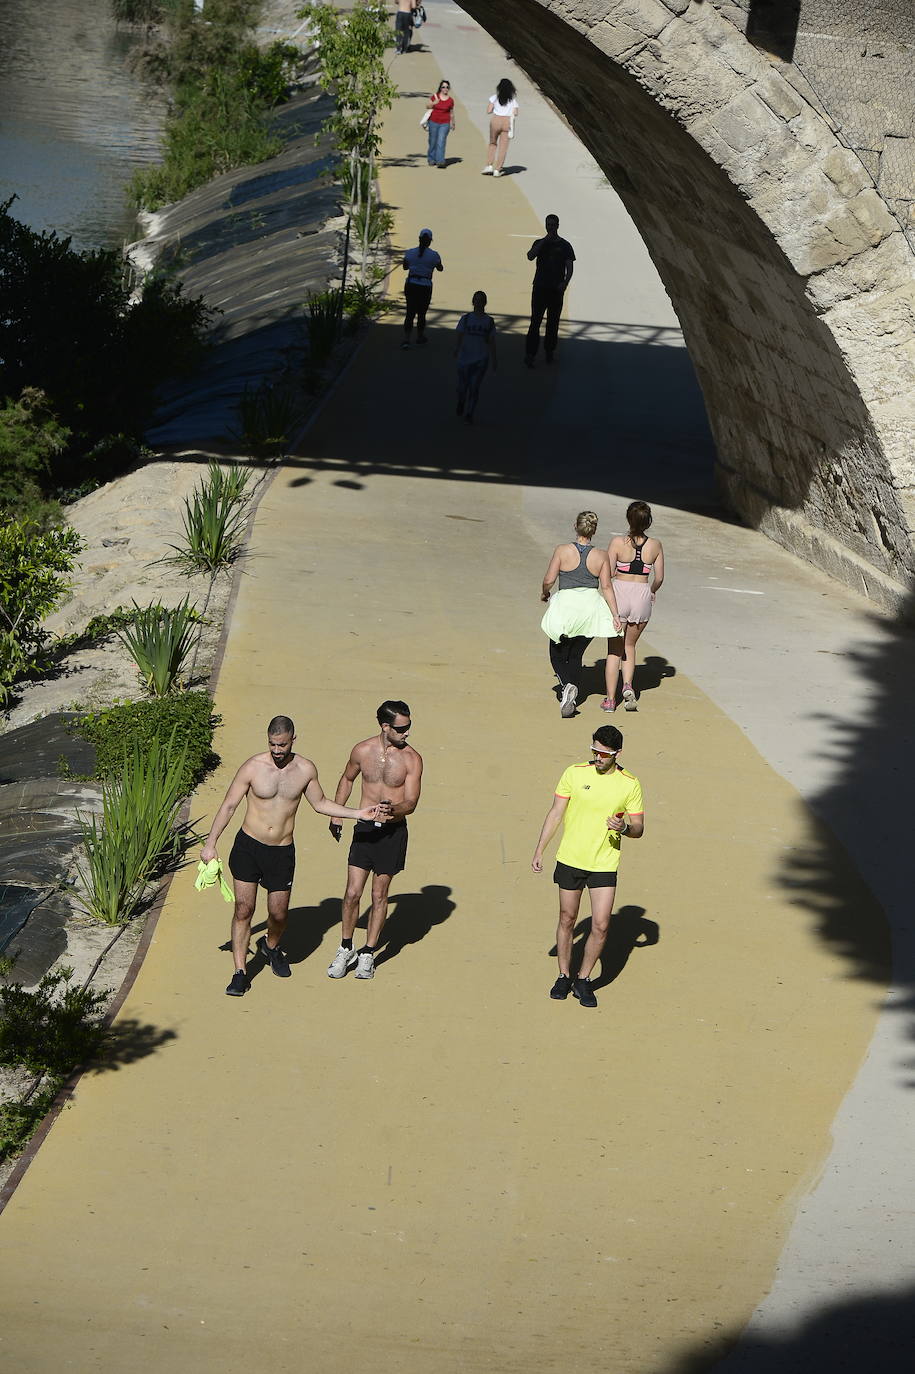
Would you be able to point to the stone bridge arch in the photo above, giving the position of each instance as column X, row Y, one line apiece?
column 789, row 265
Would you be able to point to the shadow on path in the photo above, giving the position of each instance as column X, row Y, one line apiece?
column 629, row 929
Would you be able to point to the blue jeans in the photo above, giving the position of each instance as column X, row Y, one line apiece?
column 438, row 135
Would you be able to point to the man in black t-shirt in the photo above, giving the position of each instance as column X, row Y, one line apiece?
column 555, row 259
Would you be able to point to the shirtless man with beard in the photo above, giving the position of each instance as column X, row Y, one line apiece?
column 392, row 774
column 272, row 785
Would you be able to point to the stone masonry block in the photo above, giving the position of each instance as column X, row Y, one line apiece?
column 779, row 97
column 846, row 171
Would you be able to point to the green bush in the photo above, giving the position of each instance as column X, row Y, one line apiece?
column 31, row 437
column 69, row 328
column 18, row 1120
column 159, row 640
column 34, row 564
column 52, row 1029
column 215, row 516
column 137, row 831
column 223, row 85
column 187, row 719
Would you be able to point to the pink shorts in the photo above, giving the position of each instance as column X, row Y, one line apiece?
column 633, row 600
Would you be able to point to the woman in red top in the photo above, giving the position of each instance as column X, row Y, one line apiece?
column 440, row 123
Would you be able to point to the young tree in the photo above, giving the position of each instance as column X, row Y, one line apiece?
column 350, row 51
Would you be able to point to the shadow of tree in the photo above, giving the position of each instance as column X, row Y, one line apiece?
column 128, row 1041
column 867, row 1334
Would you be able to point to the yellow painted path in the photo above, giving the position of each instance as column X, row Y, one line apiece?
column 442, row 1170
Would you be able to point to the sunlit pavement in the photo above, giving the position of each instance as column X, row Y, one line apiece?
column 442, row 1169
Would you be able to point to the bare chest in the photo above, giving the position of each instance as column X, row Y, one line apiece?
column 389, row 768
column 277, row 784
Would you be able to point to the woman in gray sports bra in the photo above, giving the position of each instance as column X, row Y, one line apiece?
column 583, row 608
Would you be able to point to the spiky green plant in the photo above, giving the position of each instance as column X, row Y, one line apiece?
column 137, row 832
column 323, row 325
column 268, row 416
column 159, row 640
column 215, row 516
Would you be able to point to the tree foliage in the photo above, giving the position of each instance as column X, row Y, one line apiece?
column 351, row 48
column 31, row 439
column 34, row 568
column 223, row 85
column 70, row 328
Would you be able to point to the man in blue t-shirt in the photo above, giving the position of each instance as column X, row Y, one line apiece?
column 475, row 349
column 555, row 259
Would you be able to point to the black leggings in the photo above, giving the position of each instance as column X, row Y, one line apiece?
column 418, row 298
column 566, row 657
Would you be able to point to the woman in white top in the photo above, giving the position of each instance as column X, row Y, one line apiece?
column 502, row 110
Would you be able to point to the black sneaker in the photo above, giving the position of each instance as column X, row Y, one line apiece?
column 584, row 992
column 275, row 958
column 561, row 988
column 239, row 984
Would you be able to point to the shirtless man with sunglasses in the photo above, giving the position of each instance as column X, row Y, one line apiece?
column 392, row 773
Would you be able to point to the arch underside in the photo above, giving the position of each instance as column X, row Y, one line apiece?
column 792, row 280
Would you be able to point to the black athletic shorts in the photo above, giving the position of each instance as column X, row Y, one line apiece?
column 379, row 848
column 574, row 879
column 271, row 865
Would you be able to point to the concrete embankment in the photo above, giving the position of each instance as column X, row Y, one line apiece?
column 254, row 243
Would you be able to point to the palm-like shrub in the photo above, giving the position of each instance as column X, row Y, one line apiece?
column 159, row 640
column 215, row 516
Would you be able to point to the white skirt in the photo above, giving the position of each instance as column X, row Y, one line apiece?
column 578, row 611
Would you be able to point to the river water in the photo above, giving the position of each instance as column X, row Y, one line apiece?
column 74, row 121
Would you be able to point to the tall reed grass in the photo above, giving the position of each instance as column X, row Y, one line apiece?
column 323, row 325
column 268, row 416
column 136, row 835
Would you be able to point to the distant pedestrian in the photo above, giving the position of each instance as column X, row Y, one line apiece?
column 555, row 259
column 475, row 349
column 440, row 123
column 403, row 24
column 598, row 803
column 635, row 559
column 419, row 263
column 583, row 607
column 503, row 110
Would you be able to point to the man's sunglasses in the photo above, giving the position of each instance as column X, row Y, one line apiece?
column 604, row 753
column 402, row 729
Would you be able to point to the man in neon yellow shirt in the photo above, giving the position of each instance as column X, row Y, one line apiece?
column 598, row 802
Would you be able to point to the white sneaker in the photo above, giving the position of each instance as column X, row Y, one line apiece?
column 629, row 701
column 567, row 700
column 487, row 171
column 366, row 967
column 342, row 962
column 498, row 174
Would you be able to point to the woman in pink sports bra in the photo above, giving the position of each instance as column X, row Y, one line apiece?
column 634, row 558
